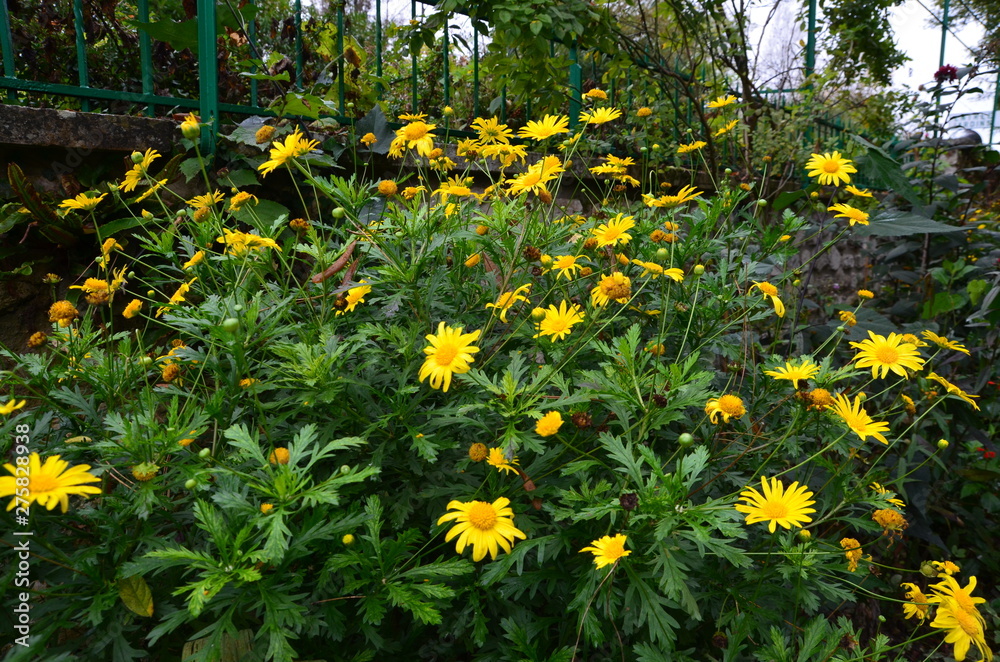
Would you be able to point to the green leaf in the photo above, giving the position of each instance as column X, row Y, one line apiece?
column 897, row 223
column 135, row 593
column 120, row 225
column 787, row 198
column 241, row 178
column 184, row 34
column 266, row 211
column 942, row 302
column 190, row 168
column 976, row 289
column 878, row 166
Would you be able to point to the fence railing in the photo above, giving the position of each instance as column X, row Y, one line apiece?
column 210, row 102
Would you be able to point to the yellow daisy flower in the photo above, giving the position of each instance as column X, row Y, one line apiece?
column 600, row 115
column 941, row 341
column 355, row 295
column 506, row 300
column 558, row 322
column 884, row 354
column 776, row 505
column 830, row 169
column 771, row 292
column 858, row 419
column 83, row 202
column 450, row 352
column 547, row 127
column 853, row 214
column 797, row 374
column 607, row 550
column 496, row 458
column 491, row 131
column 728, row 406
column 954, row 390
column 549, row 424
column 485, row 526
column 616, row 287
column 614, row 231
column 722, row 101
column 49, row 484
column 283, row 152
column 691, row 147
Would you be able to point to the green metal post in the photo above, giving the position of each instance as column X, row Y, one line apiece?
column 379, row 90
column 996, row 103
column 7, row 47
column 444, row 67
column 342, row 78
column 414, row 53
column 81, row 50
column 208, row 73
column 146, row 57
column 811, row 41
column 475, row 72
column 252, row 36
column 944, row 31
column 299, row 57
column 575, row 85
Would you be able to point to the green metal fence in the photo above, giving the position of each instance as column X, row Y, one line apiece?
column 207, row 102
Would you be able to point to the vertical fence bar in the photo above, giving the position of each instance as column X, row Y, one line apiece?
column 996, row 102
column 811, row 41
column 944, row 30
column 252, row 36
column 575, row 85
column 146, row 56
column 446, row 71
column 299, row 59
column 81, row 50
column 7, row 48
column 414, row 52
column 475, row 71
column 379, row 89
column 342, row 61
column 208, row 73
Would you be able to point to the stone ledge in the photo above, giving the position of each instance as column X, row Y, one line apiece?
column 44, row 127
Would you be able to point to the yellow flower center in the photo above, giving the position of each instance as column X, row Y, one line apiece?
column 887, row 355
column 731, row 405
column 446, row 354
column 965, row 602
column 775, row 510
column 968, row 624
column 556, row 325
column 415, row 131
column 768, row 289
column 831, row 166
column 42, row 483
column 530, row 179
column 565, row 262
column 482, row 515
column 614, row 549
